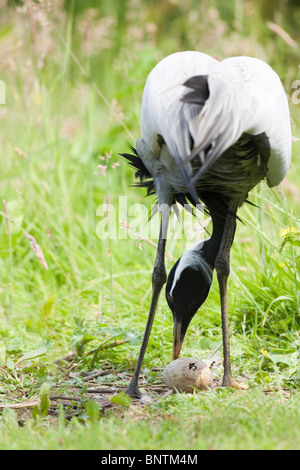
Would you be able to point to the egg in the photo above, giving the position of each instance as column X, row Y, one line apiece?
column 186, row 374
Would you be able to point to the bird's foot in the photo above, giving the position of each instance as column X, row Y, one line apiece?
column 133, row 390
column 228, row 381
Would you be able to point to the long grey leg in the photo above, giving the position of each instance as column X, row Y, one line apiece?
column 159, row 277
column 222, row 266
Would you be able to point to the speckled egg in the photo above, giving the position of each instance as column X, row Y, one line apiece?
column 186, row 374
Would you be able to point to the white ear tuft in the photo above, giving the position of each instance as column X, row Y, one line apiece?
column 193, row 259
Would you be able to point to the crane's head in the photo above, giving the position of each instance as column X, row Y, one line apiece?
column 187, row 288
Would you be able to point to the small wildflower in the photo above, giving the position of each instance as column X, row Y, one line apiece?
column 286, row 231
column 102, row 169
column 114, row 165
column 264, row 352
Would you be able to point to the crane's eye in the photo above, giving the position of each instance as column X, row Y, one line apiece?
column 170, row 298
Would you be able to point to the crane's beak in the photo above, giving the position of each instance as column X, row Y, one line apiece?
column 177, row 339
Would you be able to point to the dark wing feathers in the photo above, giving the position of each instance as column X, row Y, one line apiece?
column 146, row 180
column 213, row 127
column 137, row 163
column 200, row 89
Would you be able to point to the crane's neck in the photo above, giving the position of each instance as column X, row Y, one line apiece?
column 211, row 246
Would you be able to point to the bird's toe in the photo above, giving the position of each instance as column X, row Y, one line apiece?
column 133, row 391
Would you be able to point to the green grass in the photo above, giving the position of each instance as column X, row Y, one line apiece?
column 74, row 81
column 219, row 420
column 214, row 420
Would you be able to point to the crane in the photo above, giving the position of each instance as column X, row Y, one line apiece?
column 210, row 132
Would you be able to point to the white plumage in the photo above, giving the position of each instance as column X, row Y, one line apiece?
column 211, row 131
column 245, row 96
